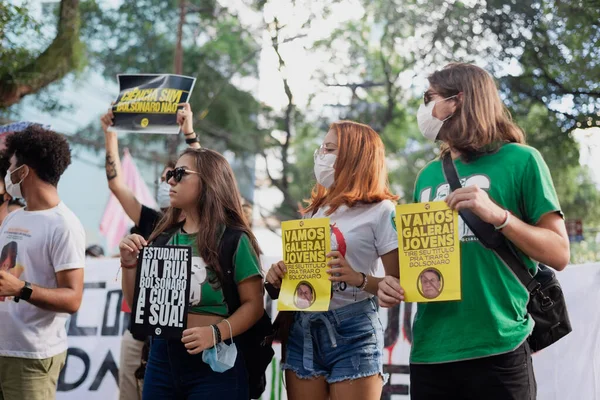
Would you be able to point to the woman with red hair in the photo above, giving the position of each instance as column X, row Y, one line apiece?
column 338, row 353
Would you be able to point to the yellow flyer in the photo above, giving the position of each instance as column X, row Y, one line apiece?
column 306, row 285
column 429, row 249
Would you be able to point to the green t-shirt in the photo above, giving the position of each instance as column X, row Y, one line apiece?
column 492, row 316
column 206, row 295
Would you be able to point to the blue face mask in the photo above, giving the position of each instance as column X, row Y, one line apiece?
column 221, row 356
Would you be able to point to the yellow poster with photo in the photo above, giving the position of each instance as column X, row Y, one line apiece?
column 429, row 249
column 306, row 285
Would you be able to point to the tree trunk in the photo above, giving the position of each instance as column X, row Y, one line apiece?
column 64, row 54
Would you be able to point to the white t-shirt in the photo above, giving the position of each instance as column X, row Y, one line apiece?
column 35, row 245
column 361, row 234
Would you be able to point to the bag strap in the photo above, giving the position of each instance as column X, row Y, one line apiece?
column 227, row 247
column 164, row 237
column 488, row 235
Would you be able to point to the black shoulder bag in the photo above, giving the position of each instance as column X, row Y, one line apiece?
column 546, row 304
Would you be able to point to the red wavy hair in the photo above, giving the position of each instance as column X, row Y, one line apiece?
column 360, row 170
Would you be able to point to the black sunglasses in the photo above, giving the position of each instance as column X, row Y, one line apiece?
column 178, row 173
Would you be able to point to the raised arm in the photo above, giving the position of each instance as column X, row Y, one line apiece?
column 114, row 173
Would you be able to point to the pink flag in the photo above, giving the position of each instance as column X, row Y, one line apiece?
column 115, row 223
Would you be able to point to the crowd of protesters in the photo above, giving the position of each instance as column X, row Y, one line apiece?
column 335, row 354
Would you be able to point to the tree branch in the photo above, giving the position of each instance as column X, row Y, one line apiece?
column 62, row 56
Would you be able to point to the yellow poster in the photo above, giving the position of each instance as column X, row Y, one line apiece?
column 306, row 285
column 429, row 249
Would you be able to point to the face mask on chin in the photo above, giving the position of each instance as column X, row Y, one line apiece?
column 428, row 124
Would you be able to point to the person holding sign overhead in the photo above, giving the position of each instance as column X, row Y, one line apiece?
column 145, row 220
column 203, row 189
column 352, row 191
column 477, row 348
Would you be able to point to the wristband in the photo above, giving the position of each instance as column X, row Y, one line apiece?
column 363, row 285
column 189, row 134
column 128, row 266
column 192, row 140
column 506, row 221
column 217, row 333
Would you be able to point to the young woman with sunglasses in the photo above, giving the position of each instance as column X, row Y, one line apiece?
column 204, row 189
column 338, row 354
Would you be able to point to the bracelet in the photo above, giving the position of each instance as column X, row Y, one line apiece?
column 192, row 140
column 128, row 266
column 506, row 221
column 189, row 134
column 217, row 333
column 363, row 285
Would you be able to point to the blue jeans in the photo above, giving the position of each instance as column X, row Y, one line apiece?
column 173, row 373
column 341, row 344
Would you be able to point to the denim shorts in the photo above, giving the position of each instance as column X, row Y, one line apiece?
column 341, row 344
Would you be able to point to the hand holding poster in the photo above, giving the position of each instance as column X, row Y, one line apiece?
column 161, row 291
column 306, row 285
column 148, row 103
column 429, row 251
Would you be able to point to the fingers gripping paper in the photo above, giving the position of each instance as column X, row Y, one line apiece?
column 161, row 291
column 306, row 285
column 429, row 249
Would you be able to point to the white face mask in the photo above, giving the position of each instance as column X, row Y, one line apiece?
column 324, row 171
column 13, row 189
column 428, row 124
column 162, row 197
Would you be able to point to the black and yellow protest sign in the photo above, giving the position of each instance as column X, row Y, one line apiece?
column 162, row 290
column 147, row 103
column 306, row 285
column 429, row 249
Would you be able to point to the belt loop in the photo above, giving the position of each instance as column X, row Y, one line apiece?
column 307, row 356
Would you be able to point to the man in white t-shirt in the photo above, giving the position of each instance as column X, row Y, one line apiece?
column 42, row 255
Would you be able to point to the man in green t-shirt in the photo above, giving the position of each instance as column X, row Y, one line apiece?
column 477, row 348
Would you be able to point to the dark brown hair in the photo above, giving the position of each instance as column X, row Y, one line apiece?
column 481, row 120
column 218, row 206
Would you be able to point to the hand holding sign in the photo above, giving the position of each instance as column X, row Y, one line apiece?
column 477, row 200
column 185, row 118
column 276, row 274
column 130, row 248
column 389, row 292
column 341, row 271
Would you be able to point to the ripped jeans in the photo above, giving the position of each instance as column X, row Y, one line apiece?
column 341, row 344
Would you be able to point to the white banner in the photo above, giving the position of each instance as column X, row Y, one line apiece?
column 568, row 369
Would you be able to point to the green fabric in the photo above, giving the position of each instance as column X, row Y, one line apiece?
column 492, row 317
column 206, row 295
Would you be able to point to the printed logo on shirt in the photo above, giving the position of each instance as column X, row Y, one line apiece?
column 17, row 233
column 483, row 181
column 198, row 278
column 8, row 262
